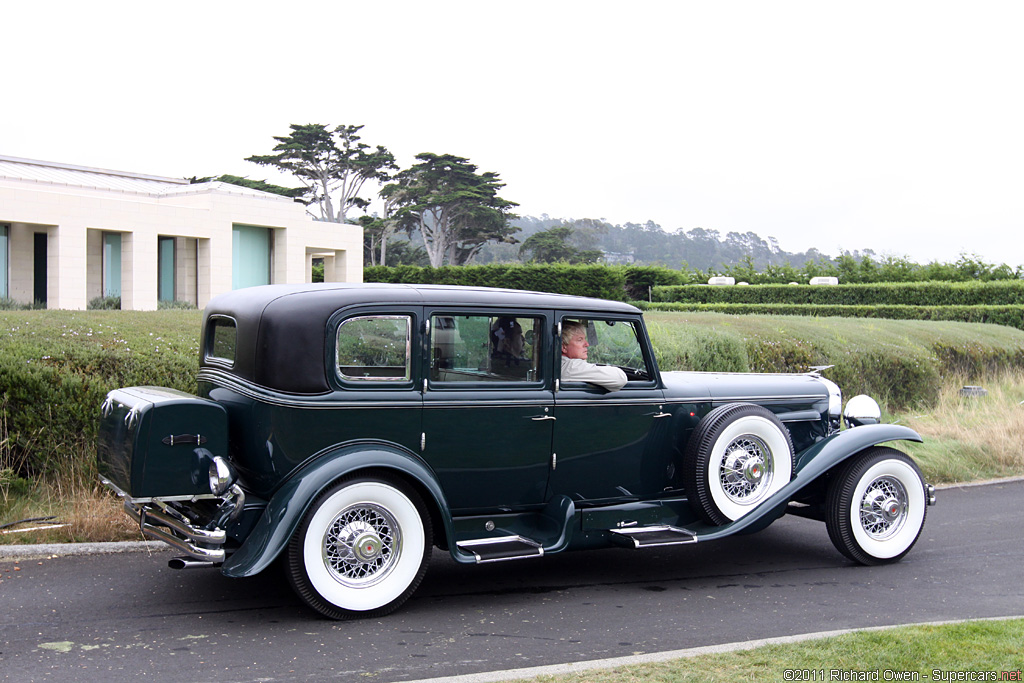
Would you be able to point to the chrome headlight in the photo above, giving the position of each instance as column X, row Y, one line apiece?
column 862, row 410
column 222, row 476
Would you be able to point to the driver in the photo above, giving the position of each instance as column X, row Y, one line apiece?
column 575, row 367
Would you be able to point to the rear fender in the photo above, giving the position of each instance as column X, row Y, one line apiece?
column 810, row 465
column 285, row 510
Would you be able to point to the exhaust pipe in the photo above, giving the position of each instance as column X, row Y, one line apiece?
column 189, row 563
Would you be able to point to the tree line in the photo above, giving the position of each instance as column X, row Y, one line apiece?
column 442, row 210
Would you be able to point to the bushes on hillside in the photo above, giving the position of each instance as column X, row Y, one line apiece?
column 1011, row 316
column 999, row 293
column 56, row 367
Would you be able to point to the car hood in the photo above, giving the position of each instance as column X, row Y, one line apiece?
column 729, row 386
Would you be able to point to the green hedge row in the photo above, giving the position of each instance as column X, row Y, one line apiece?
column 998, row 293
column 1011, row 316
column 621, row 283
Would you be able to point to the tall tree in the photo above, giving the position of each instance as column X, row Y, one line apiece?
column 333, row 165
column 555, row 244
column 454, row 208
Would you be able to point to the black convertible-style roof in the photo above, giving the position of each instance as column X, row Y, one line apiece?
column 281, row 329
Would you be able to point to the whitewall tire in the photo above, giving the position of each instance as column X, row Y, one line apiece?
column 737, row 457
column 361, row 549
column 876, row 506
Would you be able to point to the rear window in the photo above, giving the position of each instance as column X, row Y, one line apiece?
column 221, row 339
column 375, row 348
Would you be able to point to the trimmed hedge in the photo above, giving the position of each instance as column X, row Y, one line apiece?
column 998, row 293
column 620, row 283
column 1011, row 316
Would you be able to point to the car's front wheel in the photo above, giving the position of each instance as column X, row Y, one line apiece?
column 876, row 506
column 361, row 549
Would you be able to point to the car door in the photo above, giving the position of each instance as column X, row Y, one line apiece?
column 611, row 446
column 488, row 402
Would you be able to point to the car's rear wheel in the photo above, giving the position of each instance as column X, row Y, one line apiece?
column 361, row 549
column 738, row 456
column 876, row 506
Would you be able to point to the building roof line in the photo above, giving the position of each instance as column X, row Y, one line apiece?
column 89, row 169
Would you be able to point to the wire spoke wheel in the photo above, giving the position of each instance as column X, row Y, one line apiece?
column 875, row 506
column 361, row 549
column 737, row 457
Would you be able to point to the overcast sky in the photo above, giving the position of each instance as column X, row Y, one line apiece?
column 893, row 126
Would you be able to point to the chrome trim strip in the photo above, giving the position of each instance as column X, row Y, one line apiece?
column 154, row 499
column 250, row 392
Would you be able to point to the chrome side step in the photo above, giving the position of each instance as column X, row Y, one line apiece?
column 501, row 548
column 651, row 536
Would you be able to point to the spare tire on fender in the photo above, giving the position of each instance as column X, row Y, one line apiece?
column 737, row 457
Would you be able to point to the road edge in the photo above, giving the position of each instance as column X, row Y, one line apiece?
column 578, row 668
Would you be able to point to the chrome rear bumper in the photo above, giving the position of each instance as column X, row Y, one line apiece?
column 158, row 519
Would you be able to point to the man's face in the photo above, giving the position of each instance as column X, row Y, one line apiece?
column 577, row 346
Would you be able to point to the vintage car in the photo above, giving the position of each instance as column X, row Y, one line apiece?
column 350, row 429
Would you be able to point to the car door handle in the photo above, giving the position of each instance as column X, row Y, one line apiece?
column 657, row 415
column 542, row 418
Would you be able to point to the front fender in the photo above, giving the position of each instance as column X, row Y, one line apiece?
column 287, row 506
column 811, row 464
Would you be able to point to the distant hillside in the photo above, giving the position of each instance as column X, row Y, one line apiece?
column 649, row 244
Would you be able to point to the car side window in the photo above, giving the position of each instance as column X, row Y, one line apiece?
column 615, row 342
column 484, row 348
column 375, row 348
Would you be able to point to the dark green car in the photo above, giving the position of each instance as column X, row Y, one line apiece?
column 353, row 428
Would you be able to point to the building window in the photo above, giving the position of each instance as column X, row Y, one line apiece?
column 250, row 265
column 165, row 268
column 4, row 255
column 111, row 264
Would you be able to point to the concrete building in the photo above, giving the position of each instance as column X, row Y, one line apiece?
column 69, row 234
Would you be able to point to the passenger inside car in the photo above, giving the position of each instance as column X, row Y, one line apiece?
column 575, row 367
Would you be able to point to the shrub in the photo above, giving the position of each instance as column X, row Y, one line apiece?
column 57, row 366
column 105, row 303
column 175, row 305
column 996, row 293
column 1011, row 316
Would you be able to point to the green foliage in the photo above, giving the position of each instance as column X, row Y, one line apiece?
column 105, row 303
column 176, row 305
column 1012, row 316
column 332, row 164
column 7, row 304
column 57, row 366
column 899, row 362
column 584, row 280
column 555, row 245
column 974, row 293
column 261, row 185
column 455, row 209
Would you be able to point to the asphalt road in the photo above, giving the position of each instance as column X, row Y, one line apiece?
column 112, row 617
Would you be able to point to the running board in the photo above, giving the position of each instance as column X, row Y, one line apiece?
column 651, row 536
column 501, row 548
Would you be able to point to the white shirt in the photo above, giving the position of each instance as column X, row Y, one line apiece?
column 579, row 370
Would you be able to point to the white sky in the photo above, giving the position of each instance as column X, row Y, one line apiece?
column 893, row 126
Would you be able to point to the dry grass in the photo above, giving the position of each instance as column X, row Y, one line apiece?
column 69, row 506
column 970, row 438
